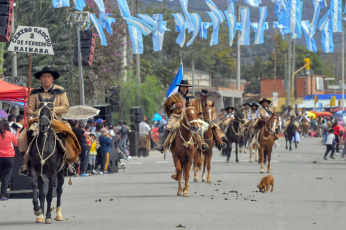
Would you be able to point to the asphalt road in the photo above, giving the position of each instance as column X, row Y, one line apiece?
column 306, row 195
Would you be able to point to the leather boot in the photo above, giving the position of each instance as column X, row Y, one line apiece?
column 161, row 147
column 201, row 144
column 223, row 144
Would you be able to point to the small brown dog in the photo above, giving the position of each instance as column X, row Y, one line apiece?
column 265, row 183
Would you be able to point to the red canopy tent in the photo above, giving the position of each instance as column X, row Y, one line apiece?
column 10, row 92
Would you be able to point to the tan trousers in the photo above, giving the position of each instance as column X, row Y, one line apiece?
column 173, row 120
column 218, row 131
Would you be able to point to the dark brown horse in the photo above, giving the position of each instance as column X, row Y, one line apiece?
column 183, row 148
column 207, row 154
column 233, row 134
column 266, row 139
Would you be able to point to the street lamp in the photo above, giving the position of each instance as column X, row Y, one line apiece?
column 78, row 18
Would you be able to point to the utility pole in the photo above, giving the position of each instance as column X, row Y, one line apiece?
column 294, row 65
column 275, row 59
column 238, row 54
column 14, row 72
column 343, row 67
column 138, row 58
column 289, row 68
column 193, row 76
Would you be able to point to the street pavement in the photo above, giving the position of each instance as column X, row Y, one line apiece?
column 306, row 195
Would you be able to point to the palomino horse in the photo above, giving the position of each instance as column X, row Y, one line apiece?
column 266, row 139
column 248, row 135
column 290, row 133
column 233, row 134
column 183, row 148
column 46, row 161
column 304, row 127
column 207, row 154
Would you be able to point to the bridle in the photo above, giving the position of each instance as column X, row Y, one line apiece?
column 52, row 114
column 269, row 123
column 188, row 127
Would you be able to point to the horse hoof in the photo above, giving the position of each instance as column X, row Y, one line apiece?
column 40, row 219
column 59, row 218
column 195, row 180
column 262, row 171
column 180, row 194
column 237, row 161
column 209, row 181
column 186, row 194
column 269, row 170
column 37, row 213
column 250, row 161
column 48, row 221
column 203, row 179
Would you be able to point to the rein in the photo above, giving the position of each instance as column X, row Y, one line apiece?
column 236, row 133
column 189, row 142
column 267, row 130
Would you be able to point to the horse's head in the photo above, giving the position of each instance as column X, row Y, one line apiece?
column 45, row 113
column 191, row 119
column 239, row 116
column 208, row 114
column 272, row 123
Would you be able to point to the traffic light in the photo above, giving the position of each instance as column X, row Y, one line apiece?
column 307, row 61
column 339, row 102
column 316, row 99
column 332, row 100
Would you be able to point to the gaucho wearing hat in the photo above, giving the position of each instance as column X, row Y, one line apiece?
column 286, row 117
column 46, row 90
column 202, row 106
column 175, row 107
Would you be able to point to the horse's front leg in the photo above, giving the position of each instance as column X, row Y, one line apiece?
column 286, row 142
column 41, row 194
column 59, row 193
column 204, row 166
column 34, row 186
column 197, row 164
column 49, row 197
column 178, row 175
column 261, row 151
column 208, row 161
column 291, row 144
column 269, row 152
column 236, row 151
column 187, row 175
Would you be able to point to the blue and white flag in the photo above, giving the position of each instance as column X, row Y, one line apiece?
column 244, row 27
column 197, row 24
column 100, row 6
column 294, row 7
column 176, row 81
column 180, row 26
column 204, row 29
column 284, row 19
column 335, row 20
column 99, row 29
column 280, row 5
column 158, row 34
column 254, row 3
column 147, row 19
column 310, row 41
column 141, row 25
column 231, row 22
column 318, row 5
column 189, row 24
column 215, row 35
column 280, row 28
column 106, row 23
column 323, row 21
column 218, row 13
column 124, row 8
column 136, row 39
column 61, row 3
column 79, row 4
column 298, row 29
column 327, row 39
column 261, row 26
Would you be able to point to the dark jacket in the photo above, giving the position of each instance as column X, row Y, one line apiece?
column 105, row 144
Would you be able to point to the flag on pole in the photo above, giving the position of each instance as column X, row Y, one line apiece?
column 310, row 41
column 79, row 4
column 323, row 21
column 335, row 16
column 180, row 26
column 231, row 22
column 215, row 35
column 244, row 27
column 136, row 39
column 176, row 81
column 327, row 39
column 254, row 3
column 141, row 25
column 218, row 13
column 189, row 24
column 124, row 8
column 261, row 26
column 197, row 23
column 99, row 29
column 204, row 29
column 298, row 30
column 61, row 3
column 158, row 34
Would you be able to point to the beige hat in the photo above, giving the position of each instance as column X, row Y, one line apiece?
column 104, row 131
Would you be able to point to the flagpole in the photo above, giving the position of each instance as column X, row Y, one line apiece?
column 343, row 65
column 193, row 76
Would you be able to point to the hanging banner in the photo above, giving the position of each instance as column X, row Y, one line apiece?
column 33, row 40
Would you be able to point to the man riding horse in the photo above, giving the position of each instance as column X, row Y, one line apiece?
column 306, row 116
column 200, row 104
column 175, row 108
column 60, row 103
column 288, row 114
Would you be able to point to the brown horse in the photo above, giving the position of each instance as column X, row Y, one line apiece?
column 207, row 154
column 183, row 148
column 266, row 139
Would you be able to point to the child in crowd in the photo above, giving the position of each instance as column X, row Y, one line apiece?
column 330, row 144
column 93, row 153
column 105, row 147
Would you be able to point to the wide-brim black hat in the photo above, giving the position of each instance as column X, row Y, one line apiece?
column 184, row 83
column 56, row 75
column 254, row 104
column 289, row 107
column 246, row 104
column 263, row 100
column 229, row 107
column 204, row 92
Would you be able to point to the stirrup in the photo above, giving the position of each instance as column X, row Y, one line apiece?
column 23, row 172
column 204, row 144
column 160, row 148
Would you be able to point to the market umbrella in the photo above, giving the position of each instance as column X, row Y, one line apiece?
column 327, row 114
column 157, row 117
column 311, row 114
column 81, row 112
column 319, row 114
column 3, row 114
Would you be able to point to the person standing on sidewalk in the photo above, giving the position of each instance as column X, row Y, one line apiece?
column 336, row 129
column 7, row 141
column 123, row 137
column 105, row 147
column 330, row 144
column 324, row 128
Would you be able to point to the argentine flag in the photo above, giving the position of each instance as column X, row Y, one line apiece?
column 61, row 3
column 173, row 88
